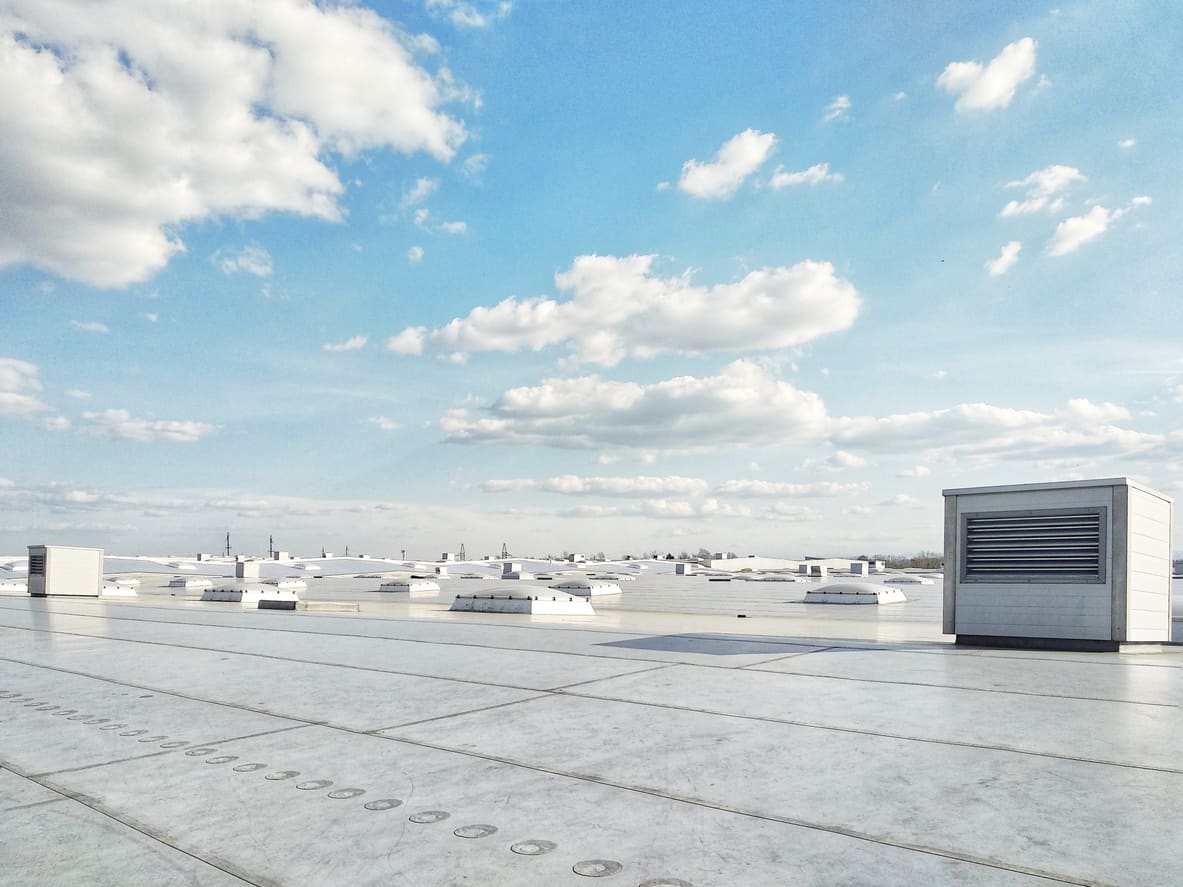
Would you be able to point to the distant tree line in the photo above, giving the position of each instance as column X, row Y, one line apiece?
column 922, row 560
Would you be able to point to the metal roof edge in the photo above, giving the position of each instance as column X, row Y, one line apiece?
column 1059, row 485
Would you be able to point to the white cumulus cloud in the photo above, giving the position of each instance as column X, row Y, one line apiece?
column 744, row 405
column 983, row 431
column 788, row 511
column 18, row 375
column 18, row 378
column 815, row 175
column 985, row 87
column 415, row 255
column 384, row 424
column 90, row 326
column 422, row 189
column 251, row 259
column 474, row 167
column 1071, row 234
column 617, row 308
column 575, row 485
column 740, row 157
column 1085, row 412
column 409, row 341
column 353, row 343
column 762, row 488
column 1006, row 259
column 122, row 425
column 837, row 109
column 1043, row 187
column 840, row 460
column 471, row 14
column 128, row 121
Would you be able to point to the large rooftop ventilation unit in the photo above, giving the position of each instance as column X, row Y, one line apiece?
column 60, row 570
column 1076, row 565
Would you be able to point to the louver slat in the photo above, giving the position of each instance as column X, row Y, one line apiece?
column 1064, row 546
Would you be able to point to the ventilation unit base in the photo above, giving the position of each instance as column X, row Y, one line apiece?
column 1074, row 645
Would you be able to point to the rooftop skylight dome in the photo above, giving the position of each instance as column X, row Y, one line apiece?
column 854, row 593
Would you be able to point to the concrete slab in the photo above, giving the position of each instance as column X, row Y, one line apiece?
column 88, row 847
column 53, row 720
column 1122, row 732
column 1156, row 679
column 1028, row 812
column 686, row 748
column 450, row 656
column 421, row 798
column 477, row 636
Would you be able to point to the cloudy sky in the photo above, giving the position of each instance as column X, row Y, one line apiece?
column 581, row 276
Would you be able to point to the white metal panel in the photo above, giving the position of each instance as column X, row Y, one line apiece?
column 1035, row 610
column 1148, row 597
column 1053, row 609
column 1131, row 604
column 68, row 571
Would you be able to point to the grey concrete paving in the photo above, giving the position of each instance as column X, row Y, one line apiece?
column 209, row 745
column 47, row 838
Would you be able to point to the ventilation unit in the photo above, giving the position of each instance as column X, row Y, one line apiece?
column 62, row 570
column 1082, row 565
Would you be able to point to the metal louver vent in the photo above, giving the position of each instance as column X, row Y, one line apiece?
column 1066, row 545
column 37, row 565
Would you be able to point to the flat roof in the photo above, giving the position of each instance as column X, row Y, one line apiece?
column 1061, row 485
column 167, row 741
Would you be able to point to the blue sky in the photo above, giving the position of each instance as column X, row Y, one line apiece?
column 616, row 277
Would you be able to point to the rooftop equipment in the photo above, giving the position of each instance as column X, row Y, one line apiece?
column 63, row 570
column 410, row 585
column 854, row 593
column 246, row 570
column 536, row 605
column 1079, row 565
column 189, row 582
column 586, row 588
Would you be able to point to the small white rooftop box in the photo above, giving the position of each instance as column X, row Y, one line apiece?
column 1076, row 565
column 62, row 570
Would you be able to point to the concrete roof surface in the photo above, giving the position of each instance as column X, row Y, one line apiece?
column 160, row 740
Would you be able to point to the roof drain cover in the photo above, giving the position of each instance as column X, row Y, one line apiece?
column 533, row 848
column 596, row 868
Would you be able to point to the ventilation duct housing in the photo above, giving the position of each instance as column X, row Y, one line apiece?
column 63, row 570
column 1059, row 544
column 1082, row 564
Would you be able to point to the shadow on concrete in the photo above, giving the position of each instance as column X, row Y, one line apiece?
column 713, row 645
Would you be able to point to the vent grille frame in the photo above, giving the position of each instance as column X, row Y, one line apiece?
column 1037, row 545
column 37, row 564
